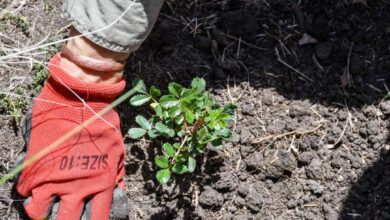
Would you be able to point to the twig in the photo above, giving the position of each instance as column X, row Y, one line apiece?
column 63, row 29
column 344, row 129
column 317, row 62
column 299, row 14
column 296, row 133
column 349, row 64
column 290, row 67
column 242, row 41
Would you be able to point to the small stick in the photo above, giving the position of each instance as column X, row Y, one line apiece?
column 300, row 17
column 290, row 67
column 238, row 48
column 296, row 133
column 344, row 129
column 317, row 63
column 243, row 42
column 348, row 64
column 238, row 163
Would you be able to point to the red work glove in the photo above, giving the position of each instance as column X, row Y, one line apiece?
column 88, row 166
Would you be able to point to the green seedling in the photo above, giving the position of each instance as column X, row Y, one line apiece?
column 15, row 106
column 47, row 6
column 41, row 75
column 187, row 119
column 22, row 23
column 19, row 21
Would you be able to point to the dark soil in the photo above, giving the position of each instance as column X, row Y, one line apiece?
column 311, row 136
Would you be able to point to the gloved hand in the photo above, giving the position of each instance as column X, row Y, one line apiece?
column 85, row 168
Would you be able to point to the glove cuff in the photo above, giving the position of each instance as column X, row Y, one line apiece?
column 64, row 84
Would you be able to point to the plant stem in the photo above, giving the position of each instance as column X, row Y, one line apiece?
column 178, row 150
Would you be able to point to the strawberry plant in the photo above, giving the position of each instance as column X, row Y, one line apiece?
column 187, row 118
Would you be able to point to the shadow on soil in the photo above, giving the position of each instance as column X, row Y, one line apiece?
column 369, row 198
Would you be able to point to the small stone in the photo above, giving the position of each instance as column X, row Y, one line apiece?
column 254, row 201
column 306, row 157
column 315, row 187
column 246, row 150
column 275, row 165
column 210, row 197
column 254, row 160
column 242, row 176
column 337, row 161
column 235, row 138
column 226, row 216
column 314, row 170
column 330, row 213
column 245, row 136
column 243, row 189
column 323, row 50
column 307, row 39
column 239, row 201
column 269, row 183
column 226, row 182
column 385, row 107
column 292, row 203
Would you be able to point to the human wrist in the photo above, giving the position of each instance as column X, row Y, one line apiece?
column 83, row 47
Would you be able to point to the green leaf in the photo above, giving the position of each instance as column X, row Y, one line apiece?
column 168, row 149
column 158, row 111
column 140, row 85
column 139, row 100
column 174, row 112
column 175, row 89
column 165, row 114
column 136, row 133
column 171, row 133
column 213, row 115
column 180, row 133
column 163, row 176
column 223, row 133
column 188, row 95
column 221, row 124
column 229, row 108
column 223, row 116
column 164, row 129
column 161, row 162
column 143, row 122
column 198, row 84
column 154, row 92
column 176, row 145
column 179, row 168
column 181, row 159
column 191, row 164
column 153, row 133
column 180, row 120
column 217, row 142
column 168, row 101
column 190, row 117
